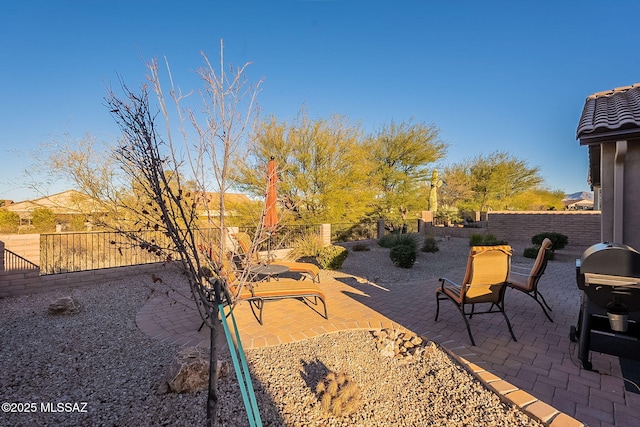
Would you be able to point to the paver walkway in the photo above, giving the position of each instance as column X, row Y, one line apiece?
column 543, row 362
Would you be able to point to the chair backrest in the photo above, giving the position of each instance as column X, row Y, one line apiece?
column 539, row 265
column 244, row 241
column 487, row 270
column 479, row 249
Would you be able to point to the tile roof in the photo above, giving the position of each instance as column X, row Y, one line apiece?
column 611, row 112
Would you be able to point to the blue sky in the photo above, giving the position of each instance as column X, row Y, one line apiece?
column 491, row 75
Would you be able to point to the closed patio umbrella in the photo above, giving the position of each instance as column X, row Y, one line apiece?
column 271, row 215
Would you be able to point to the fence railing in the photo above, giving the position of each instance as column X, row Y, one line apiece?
column 12, row 261
column 70, row 252
column 285, row 236
column 350, row 232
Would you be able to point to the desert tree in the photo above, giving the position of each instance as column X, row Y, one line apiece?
column 539, row 199
column 402, row 157
column 322, row 174
column 176, row 155
column 494, row 181
column 87, row 165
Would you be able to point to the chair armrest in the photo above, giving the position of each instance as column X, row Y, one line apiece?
column 521, row 267
column 514, row 273
column 450, row 282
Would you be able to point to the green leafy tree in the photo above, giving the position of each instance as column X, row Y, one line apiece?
column 539, row 200
column 9, row 221
column 401, row 160
column 492, row 181
column 457, row 185
column 44, row 220
column 321, row 172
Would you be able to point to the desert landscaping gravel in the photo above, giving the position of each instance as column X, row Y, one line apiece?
column 106, row 372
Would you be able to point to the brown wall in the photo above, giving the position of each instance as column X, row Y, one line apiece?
column 25, row 245
column 24, row 282
column 581, row 227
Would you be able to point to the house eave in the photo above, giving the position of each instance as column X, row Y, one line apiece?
column 609, row 136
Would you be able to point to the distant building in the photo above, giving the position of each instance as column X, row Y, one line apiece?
column 208, row 204
column 72, row 203
column 579, row 201
column 66, row 203
column 578, row 204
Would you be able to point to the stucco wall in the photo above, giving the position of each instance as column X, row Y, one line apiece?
column 630, row 191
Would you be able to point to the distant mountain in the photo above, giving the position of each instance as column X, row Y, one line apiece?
column 580, row 195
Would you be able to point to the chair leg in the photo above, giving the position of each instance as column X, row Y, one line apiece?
column 543, row 300
column 257, row 304
column 460, row 309
column 542, row 303
column 501, row 307
column 308, row 302
column 466, row 322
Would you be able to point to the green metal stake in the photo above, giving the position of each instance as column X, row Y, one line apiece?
column 242, row 370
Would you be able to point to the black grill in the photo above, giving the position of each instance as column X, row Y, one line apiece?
column 609, row 321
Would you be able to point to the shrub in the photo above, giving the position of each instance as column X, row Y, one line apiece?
column 356, row 232
column 476, row 239
column 360, row 247
column 396, row 239
column 485, row 240
column 558, row 240
column 430, row 245
column 532, row 252
column 307, row 245
column 387, row 240
column 9, row 221
column 331, row 257
column 43, row 219
column 448, row 216
column 403, row 255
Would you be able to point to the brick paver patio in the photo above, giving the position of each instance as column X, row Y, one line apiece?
column 540, row 372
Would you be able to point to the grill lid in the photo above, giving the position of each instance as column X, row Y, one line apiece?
column 614, row 259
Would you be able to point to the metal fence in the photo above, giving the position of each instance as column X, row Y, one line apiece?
column 352, row 232
column 286, row 235
column 70, row 252
column 12, row 262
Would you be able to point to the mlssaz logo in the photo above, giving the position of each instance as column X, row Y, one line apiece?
column 63, row 407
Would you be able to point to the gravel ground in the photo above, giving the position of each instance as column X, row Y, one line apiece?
column 100, row 358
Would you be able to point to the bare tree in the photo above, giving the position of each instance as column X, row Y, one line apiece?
column 175, row 174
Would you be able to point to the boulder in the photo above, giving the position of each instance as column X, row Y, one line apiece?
column 65, row 306
column 189, row 372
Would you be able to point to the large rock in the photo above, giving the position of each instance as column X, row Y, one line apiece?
column 400, row 345
column 65, row 305
column 189, row 372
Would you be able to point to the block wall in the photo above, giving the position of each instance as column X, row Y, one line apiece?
column 582, row 228
column 25, row 282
